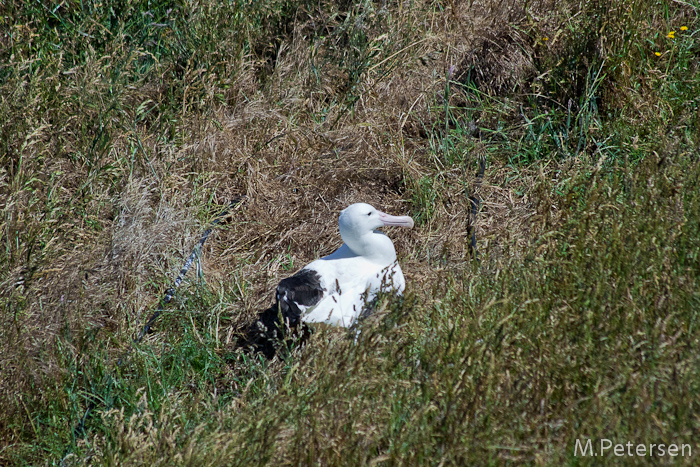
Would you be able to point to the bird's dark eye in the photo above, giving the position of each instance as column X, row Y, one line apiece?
column 369, row 213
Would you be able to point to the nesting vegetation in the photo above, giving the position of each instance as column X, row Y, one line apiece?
column 128, row 126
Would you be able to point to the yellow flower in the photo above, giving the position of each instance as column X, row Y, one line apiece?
column 545, row 38
column 672, row 35
column 684, row 28
column 658, row 54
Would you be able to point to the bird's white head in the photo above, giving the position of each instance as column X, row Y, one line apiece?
column 359, row 220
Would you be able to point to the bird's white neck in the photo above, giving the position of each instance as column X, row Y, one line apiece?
column 373, row 245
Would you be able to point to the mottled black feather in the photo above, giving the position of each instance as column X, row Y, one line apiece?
column 270, row 330
column 303, row 288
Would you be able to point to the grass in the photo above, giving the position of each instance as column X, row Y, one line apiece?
column 128, row 126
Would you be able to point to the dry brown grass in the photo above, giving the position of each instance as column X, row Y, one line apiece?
column 111, row 171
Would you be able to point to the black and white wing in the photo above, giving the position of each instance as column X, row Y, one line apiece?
column 297, row 294
column 294, row 295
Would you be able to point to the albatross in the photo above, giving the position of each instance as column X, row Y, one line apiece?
column 336, row 289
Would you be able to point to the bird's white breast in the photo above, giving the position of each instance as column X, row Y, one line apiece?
column 350, row 282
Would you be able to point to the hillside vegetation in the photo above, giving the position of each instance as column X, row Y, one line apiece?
column 129, row 125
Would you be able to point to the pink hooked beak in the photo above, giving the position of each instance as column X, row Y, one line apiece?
column 403, row 221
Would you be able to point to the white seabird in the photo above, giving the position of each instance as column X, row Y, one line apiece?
column 336, row 289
